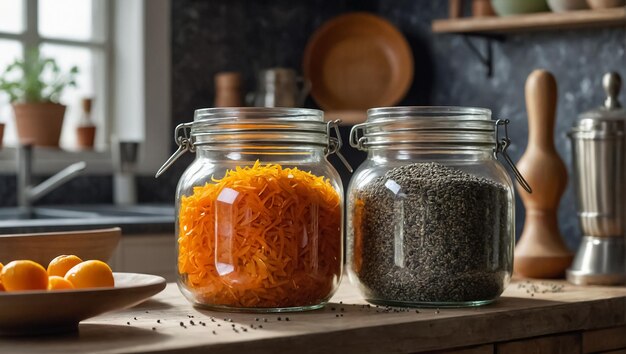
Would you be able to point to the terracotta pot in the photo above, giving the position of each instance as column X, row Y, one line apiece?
column 39, row 123
column 1, row 134
column 85, row 137
column 482, row 8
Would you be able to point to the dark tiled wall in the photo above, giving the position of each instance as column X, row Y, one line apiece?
column 248, row 35
column 211, row 36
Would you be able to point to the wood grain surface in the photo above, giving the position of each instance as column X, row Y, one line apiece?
column 346, row 325
column 541, row 251
column 533, row 22
column 43, row 247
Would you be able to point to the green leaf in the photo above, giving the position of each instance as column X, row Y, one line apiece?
column 36, row 79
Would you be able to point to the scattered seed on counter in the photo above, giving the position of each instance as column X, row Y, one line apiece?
column 128, row 323
column 154, row 328
column 260, row 326
column 286, row 318
column 135, row 318
column 158, row 321
column 214, row 332
column 192, row 323
column 219, row 325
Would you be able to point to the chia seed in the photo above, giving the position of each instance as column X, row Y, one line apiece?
column 427, row 233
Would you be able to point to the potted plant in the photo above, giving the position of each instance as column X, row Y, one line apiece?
column 34, row 86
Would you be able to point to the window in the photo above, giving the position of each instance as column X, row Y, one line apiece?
column 118, row 45
column 73, row 32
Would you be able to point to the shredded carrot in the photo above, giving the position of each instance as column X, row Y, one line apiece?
column 262, row 236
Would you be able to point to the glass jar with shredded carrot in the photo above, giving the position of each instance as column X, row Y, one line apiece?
column 260, row 210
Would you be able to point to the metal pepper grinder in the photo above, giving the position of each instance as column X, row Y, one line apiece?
column 599, row 156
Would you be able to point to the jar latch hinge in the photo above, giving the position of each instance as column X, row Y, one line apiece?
column 357, row 138
column 501, row 146
column 335, row 142
column 182, row 137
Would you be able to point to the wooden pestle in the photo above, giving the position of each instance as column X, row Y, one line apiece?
column 540, row 251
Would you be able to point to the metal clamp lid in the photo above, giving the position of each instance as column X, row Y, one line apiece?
column 186, row 142
column 501, row 146
column 609, row 111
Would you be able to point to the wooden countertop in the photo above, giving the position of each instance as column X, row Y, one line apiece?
column 346, row 325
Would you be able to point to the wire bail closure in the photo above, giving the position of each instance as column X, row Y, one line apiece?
column 182, row 137
column 358, row 141
column 501, row 146
column 335, row 143
column 185, row 142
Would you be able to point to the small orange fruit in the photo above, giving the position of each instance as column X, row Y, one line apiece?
column 61, row 264
column 56, row 282
column 24, row 275
column 1, row 286
column 90, row 274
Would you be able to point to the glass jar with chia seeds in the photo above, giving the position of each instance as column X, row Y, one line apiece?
column 259, row 212
column 431, row 210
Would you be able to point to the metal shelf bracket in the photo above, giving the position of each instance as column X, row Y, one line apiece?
column 485, row 56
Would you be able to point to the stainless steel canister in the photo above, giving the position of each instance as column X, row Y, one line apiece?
column 599, row 159
column 279, row 87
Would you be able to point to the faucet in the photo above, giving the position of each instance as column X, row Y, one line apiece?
column 28, row 194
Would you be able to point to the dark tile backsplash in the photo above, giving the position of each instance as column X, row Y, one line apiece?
column 246, row 36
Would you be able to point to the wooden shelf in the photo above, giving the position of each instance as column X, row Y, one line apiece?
column 533, row 22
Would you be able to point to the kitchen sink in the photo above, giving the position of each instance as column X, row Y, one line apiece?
column 42, row 213
column 134, row 218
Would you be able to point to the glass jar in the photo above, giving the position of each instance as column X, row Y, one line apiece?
column 431, row 210
column 259, row 212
